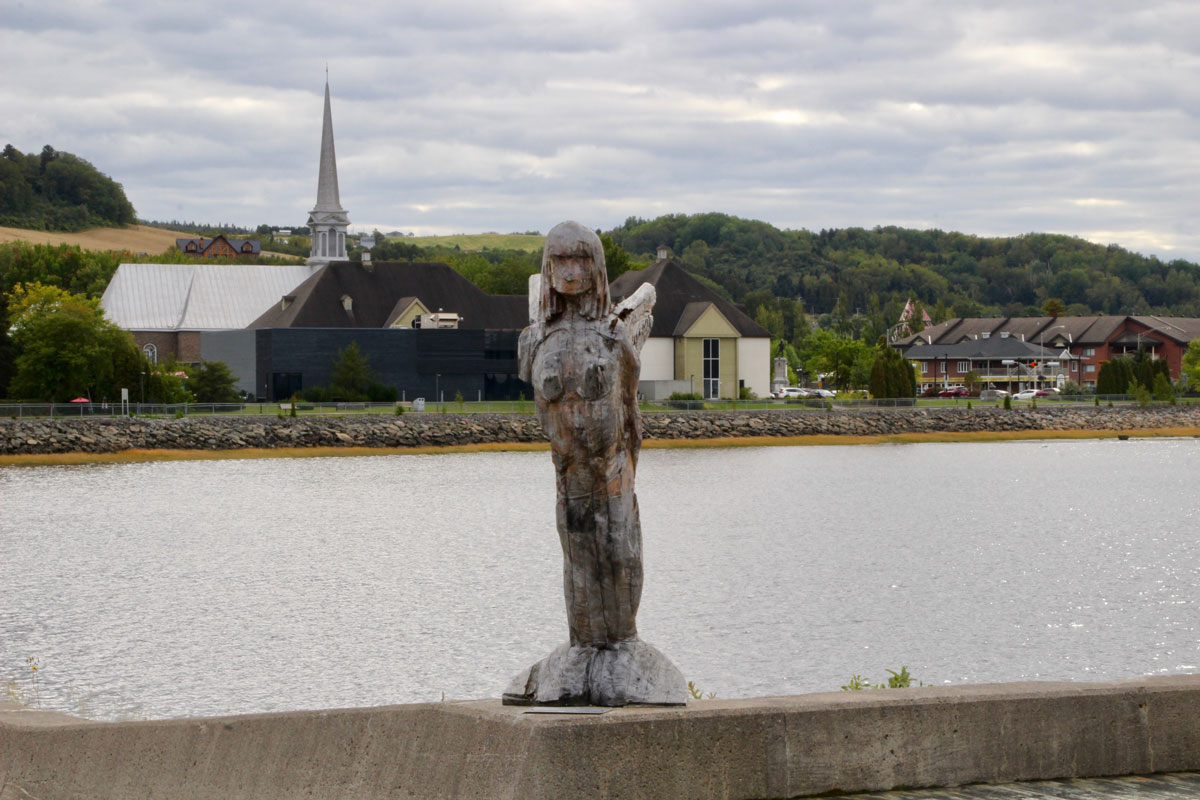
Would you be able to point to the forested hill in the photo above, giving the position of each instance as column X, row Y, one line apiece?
column 57, row 191
column 853, row 271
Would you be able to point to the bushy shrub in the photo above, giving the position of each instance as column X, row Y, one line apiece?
column 381, row 393
column 1140, row 393
column 316, row 394
column 685, row 400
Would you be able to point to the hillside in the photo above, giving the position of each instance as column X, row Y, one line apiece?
column 58, row 191
column 526, row 242
column 854, row 273
column 134, row 238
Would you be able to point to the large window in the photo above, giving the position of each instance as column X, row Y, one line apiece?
column 151, row 352
column 712, row 369
column 964, row 367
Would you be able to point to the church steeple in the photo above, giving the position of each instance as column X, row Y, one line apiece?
column 328, row 220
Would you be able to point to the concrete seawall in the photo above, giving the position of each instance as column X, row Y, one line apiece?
column 109, row 435
column 761, row 748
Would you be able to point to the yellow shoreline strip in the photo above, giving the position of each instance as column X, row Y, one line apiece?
column 139, row 456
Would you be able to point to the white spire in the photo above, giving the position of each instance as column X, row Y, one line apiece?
column 328, row 220
column 327, row 181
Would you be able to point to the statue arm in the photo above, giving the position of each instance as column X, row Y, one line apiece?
column 531, row 337
column 634, row 311
column 527, row 346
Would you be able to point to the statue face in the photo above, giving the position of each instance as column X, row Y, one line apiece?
column 571, row 273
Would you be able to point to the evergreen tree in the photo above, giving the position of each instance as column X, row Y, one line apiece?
column 892, row 375
column 351, row 373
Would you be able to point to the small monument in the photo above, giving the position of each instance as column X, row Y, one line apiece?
column 582, row 356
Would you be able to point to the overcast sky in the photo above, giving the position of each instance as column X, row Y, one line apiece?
column 460, row 116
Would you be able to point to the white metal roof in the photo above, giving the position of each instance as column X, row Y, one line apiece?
column 196, row 297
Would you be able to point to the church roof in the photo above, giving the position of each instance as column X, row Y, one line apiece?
column 171, row 297
column 375, row 293
column 680, row 296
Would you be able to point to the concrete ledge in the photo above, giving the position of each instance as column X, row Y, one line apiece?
column 761, row 748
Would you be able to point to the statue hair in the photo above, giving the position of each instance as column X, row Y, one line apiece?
column 575, row 239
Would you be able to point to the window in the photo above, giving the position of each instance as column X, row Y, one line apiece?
column 712, row 369
column 1074, row 366
column 1089, row 367
column 1089, row 351
column 924, row 367
column 964, row 367
column 151, row 352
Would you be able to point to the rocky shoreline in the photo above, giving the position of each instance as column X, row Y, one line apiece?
column 115, row 434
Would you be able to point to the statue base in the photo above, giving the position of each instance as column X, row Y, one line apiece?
column 631, row 673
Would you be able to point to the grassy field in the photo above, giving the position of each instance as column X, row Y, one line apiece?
column 135, row 238
column 478, row 241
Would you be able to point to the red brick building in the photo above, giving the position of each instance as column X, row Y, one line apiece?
column 1084, row 343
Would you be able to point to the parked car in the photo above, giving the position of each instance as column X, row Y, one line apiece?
column 821, row 393
column 993, row 394
column 1029, row 394
column 955, row 391
column 789, row 392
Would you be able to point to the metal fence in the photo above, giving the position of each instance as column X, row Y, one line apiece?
column 180, row 410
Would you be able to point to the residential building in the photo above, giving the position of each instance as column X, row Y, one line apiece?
column 1088, row 341
column 219, row 247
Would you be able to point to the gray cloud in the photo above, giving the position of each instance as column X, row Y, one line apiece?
column 991, row 118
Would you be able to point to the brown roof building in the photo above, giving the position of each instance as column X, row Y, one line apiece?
column 219, row 247
column 1088, row 341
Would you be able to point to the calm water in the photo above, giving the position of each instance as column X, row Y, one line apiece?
column 175, row 589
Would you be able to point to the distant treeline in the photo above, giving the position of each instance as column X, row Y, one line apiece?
column 57, row 191
column 851, row 271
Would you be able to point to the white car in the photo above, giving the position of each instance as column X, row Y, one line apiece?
column 822, row 393
column 1030, row 394
column 788, row 392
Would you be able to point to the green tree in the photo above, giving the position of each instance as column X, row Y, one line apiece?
column 838, row 360
column 1054, row 307
column 1114, row 377
column 351, row 373
column 1163, row 390
column 212, row 382
column 616, row 260
column 65, row 348
column 6, row 350
column 892, row 374
column 1191, row 364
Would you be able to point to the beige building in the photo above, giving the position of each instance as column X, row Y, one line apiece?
column 699, row 342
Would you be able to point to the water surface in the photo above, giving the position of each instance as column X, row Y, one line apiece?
column 185, row 588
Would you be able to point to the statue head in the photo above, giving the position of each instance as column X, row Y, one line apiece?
column 573, row 266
